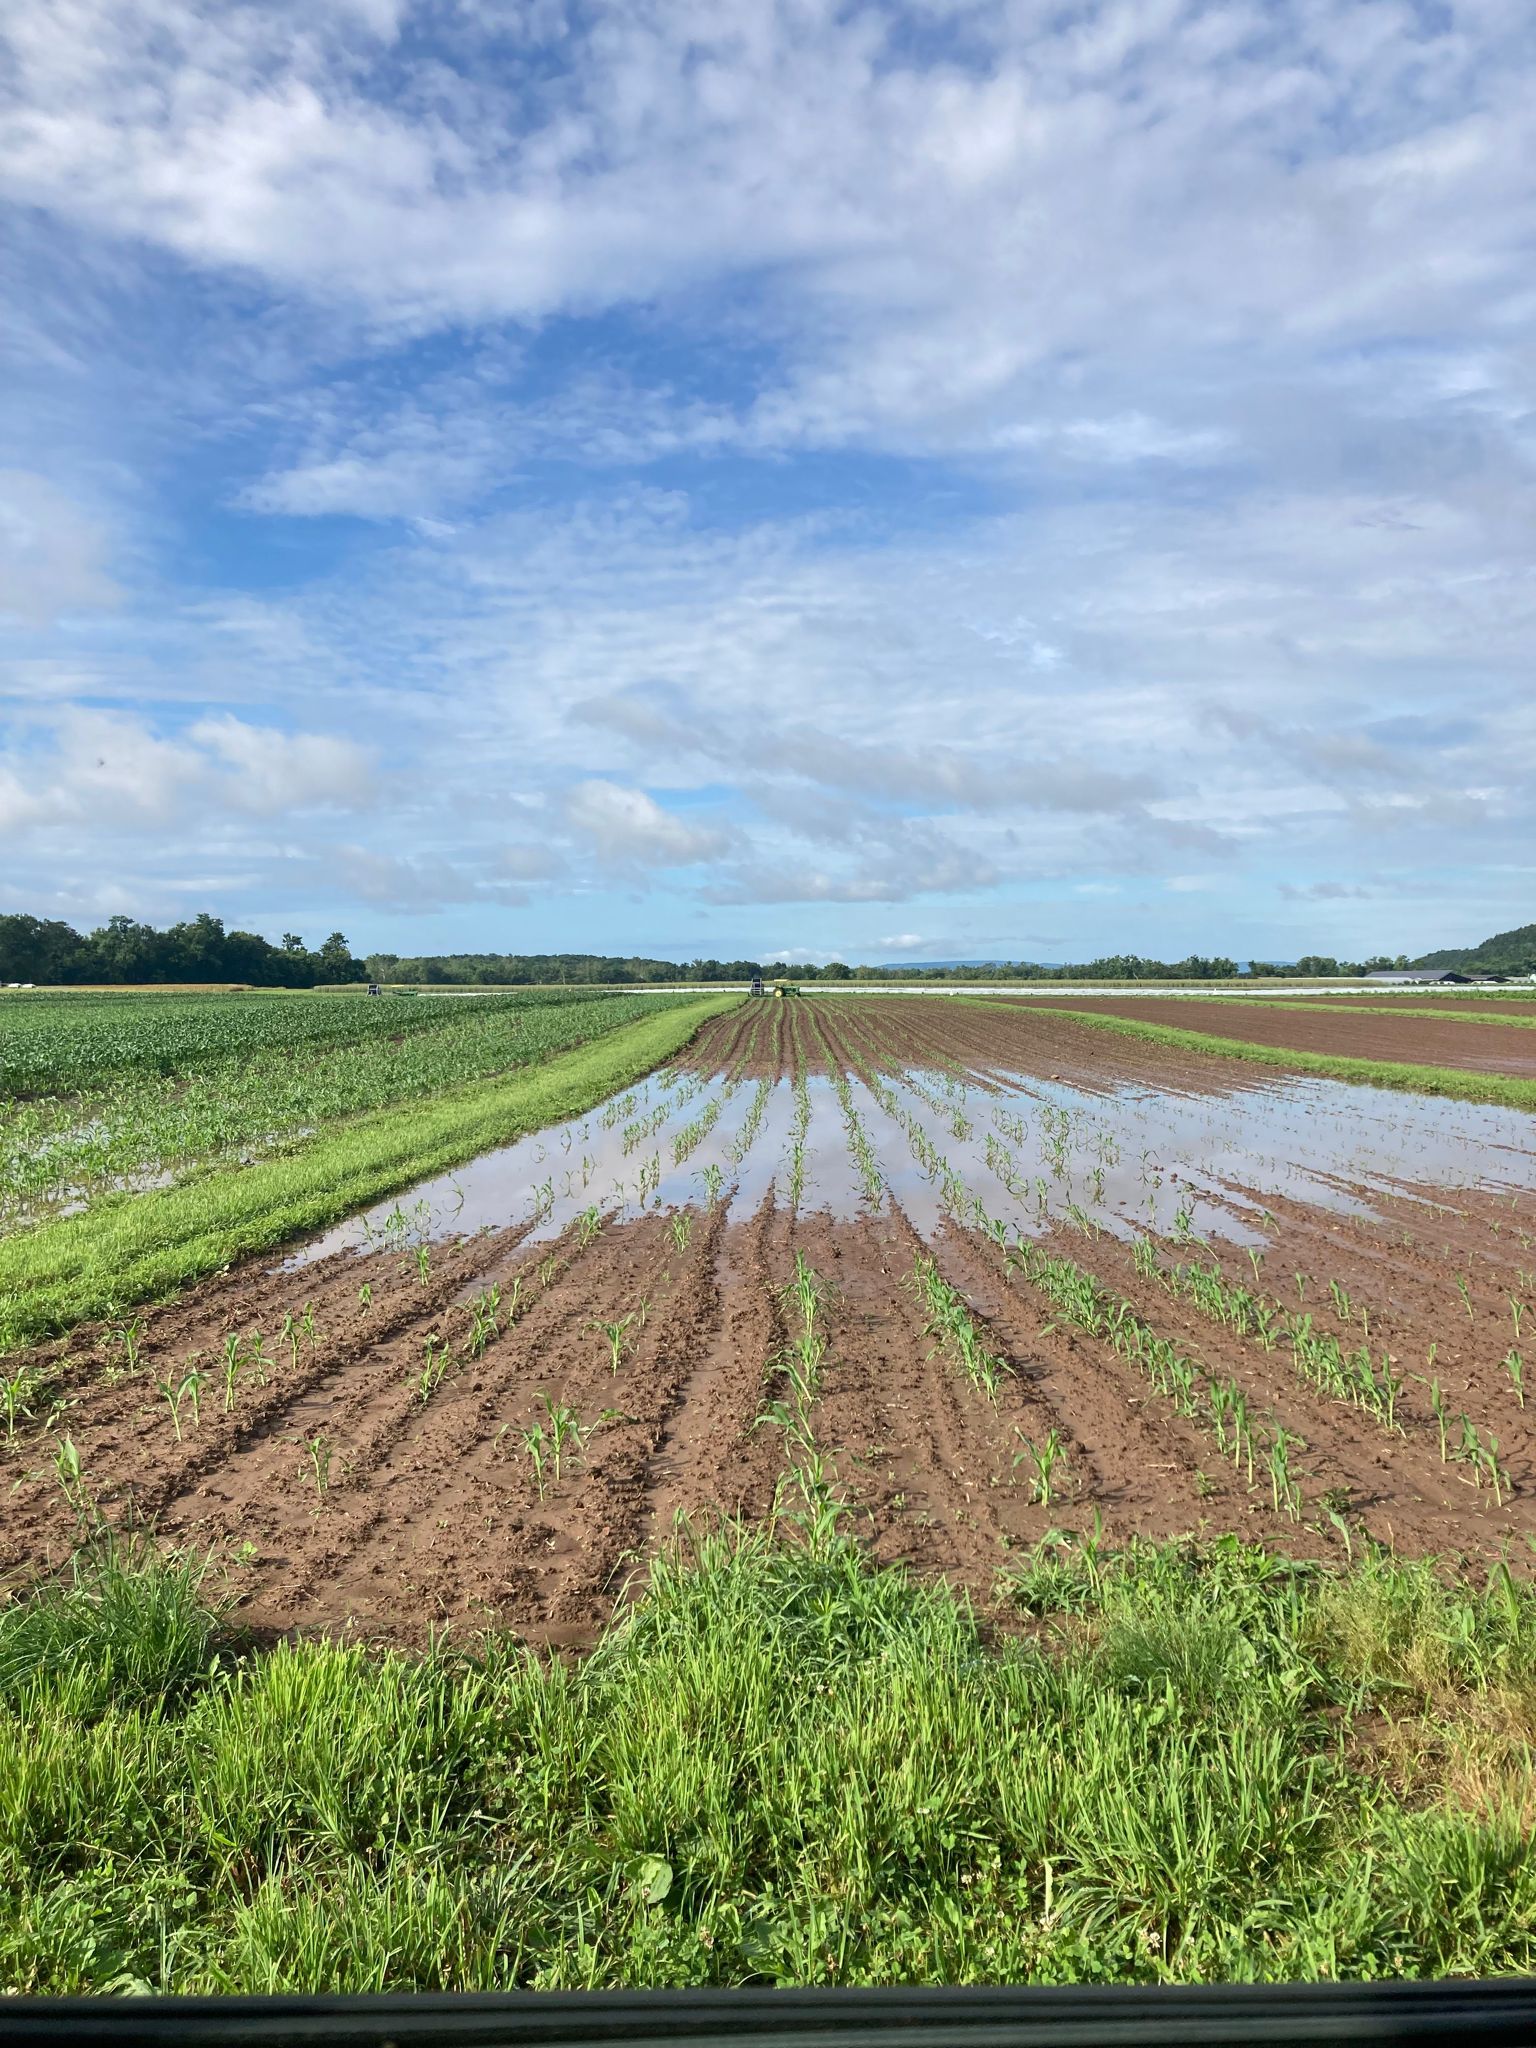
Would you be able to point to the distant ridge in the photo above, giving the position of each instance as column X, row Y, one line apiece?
column 929, row 966
column 1505, row 953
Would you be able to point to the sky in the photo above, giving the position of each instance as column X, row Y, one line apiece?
column 970, row 479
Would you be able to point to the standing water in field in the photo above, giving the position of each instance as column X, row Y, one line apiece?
column 1030, row 1154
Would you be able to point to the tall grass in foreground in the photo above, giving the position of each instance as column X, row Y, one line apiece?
column 783, row 1765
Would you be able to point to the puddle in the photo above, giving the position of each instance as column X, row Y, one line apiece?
column 1032, row 1154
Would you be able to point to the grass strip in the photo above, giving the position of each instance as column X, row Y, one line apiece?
column 136, row 1247
column 1508, row 1090
column 785, row 1765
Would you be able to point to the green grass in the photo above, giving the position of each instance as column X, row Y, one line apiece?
column 1506, row 1089
column 132, row 1248
column 785, row 1765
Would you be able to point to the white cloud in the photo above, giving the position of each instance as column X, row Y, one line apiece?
column 105, row 771
column 626, row 827
column 1198, row 329
column 280, row 771
column 52, row 553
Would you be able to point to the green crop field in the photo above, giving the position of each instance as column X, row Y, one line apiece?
column 145, row 1151
column 109, row 1092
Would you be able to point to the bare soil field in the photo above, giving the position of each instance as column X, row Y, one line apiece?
column 1476, row 1047
column 490, row 1400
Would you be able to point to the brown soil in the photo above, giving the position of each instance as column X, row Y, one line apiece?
column 341, row 1492
column 1479, row 1048
column 896, row 1034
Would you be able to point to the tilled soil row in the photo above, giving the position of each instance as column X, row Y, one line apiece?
column 896, row 1034
column 1479, row 1048
column 422, row 1507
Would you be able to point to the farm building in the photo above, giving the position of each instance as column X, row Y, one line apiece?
column 1414, row 975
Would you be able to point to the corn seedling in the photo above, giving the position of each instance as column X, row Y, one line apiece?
column 365, row 1296
column 1514, row 1365
column 615, row 1333
column 187, row 1388
column 483, row 1319
column 950, row 1321
column 18, row 1390
column 320, row 1454
column 127, row 1335
column 1482, row 1454
column 1283, row 1487
column 78, row 1497
column 590, row 1223
column 1045, row 1457
column 423, row 1263
column 437, row 1356
column 682, row 1229
column 1465, row 1292
column 289, row 1335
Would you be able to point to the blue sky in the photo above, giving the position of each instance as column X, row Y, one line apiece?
column 992, row 479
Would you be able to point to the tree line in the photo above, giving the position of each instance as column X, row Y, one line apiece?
column 46, row 950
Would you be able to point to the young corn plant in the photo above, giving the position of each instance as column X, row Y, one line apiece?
column 1044, row 1457
column 484, row 1323
column 682, row 1229
column 950, row 1321
column 127, row 1335
column 552, row 1443
column 74, row 1486
column 318, row 1454
column 1514, row 1365
column 437, row 1357
column 1482, row 1454
column 175, row 1392
column 615, row 1334
column 18, row 1392
column 1284, row 1490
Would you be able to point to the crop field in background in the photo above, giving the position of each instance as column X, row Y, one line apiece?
column 104, row 1092
column 883, row 1490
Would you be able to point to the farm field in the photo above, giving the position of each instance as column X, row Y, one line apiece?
column 1288, row 1309
column 110, row 1093
column 876, row 1433
column 1474, row 1045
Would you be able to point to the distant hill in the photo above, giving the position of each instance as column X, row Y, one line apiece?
column 941, row 966
column 1505, row 953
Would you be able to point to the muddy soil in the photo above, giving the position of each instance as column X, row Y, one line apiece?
column 1475, row 1047
column 500, row 1428
column 935, row 1033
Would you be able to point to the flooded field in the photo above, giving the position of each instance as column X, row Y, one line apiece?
column 1054, row 1276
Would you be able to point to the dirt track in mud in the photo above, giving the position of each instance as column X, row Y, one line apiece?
column 341, row 1490
column 1477, row 1047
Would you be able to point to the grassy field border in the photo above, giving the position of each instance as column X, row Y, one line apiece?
column 139, row 1247
column 783, row 1764
column 1508, row 1091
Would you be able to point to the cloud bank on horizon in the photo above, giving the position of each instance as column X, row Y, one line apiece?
column 970, row 478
